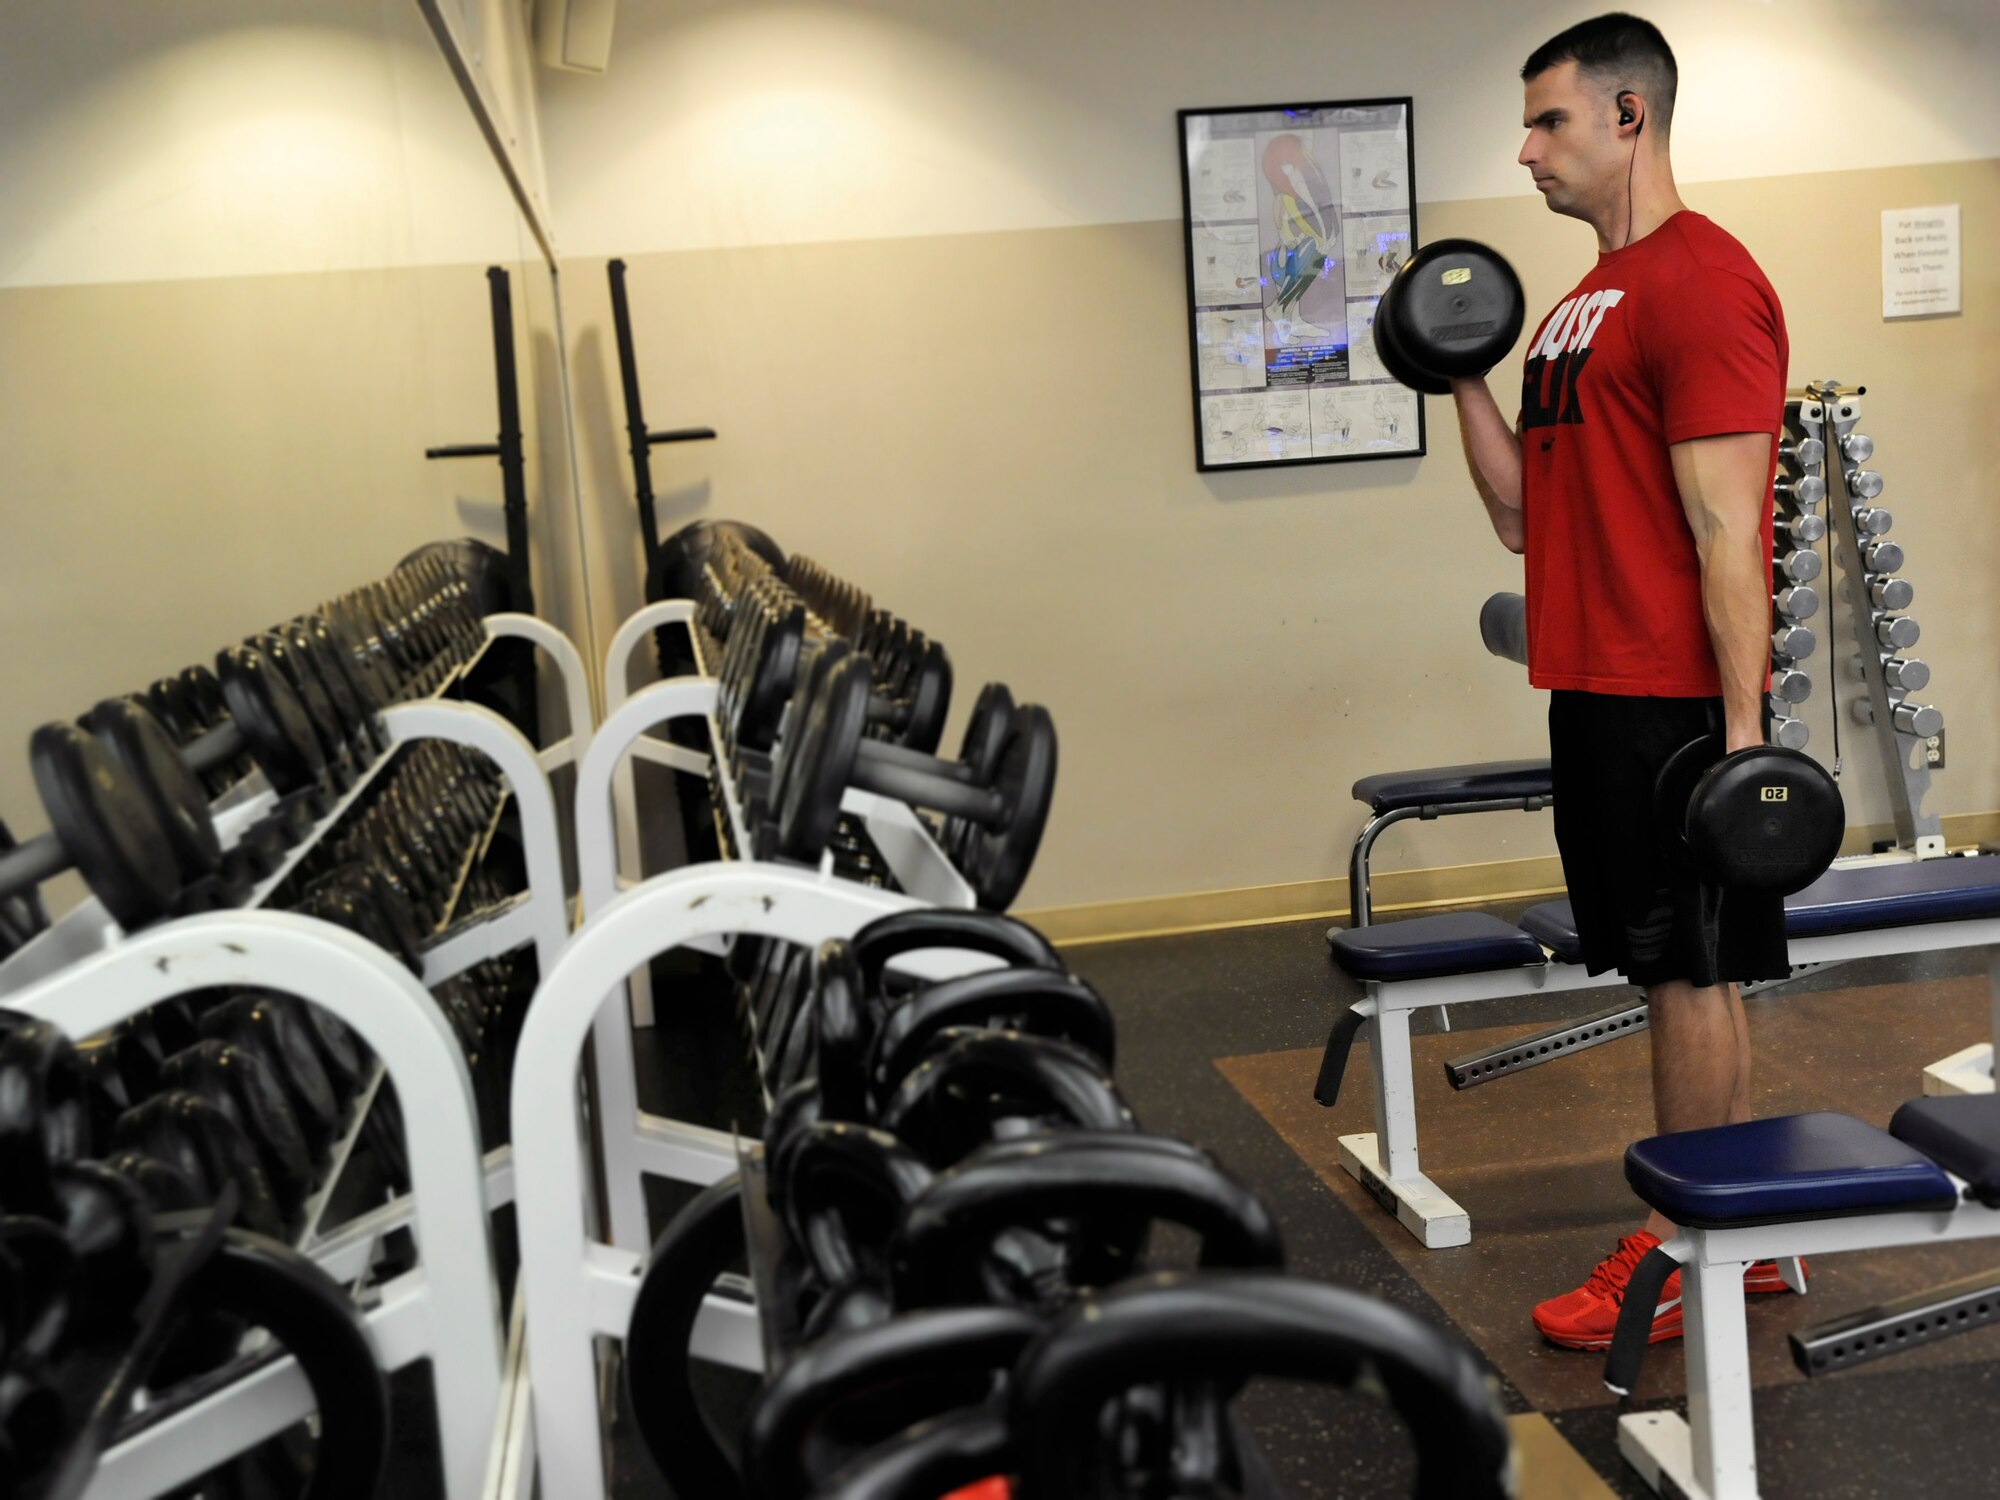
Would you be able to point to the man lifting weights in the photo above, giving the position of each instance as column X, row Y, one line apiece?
column 1637, row 482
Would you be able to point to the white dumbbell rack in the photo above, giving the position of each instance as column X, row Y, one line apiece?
column 46, row 975
column 577, row 1287
column 605, row 803
column 446, row 1310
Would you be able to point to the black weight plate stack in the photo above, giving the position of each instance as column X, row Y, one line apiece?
column 106, row 825
column 273, row 721
column 203, row 695
column 997, row 860
column 1766, row 819
column 930, row 700
column 1453, row 311
column 304, row 681
column 979, row 750
column 816, row 756
column 156, row 768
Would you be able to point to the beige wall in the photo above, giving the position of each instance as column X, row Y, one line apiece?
column 992, row 432
column 242, row 288
column 759, row 122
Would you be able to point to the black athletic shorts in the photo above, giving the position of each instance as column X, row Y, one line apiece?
column 1640, row 907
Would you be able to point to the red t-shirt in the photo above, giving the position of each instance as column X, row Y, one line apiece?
column 1676, row 336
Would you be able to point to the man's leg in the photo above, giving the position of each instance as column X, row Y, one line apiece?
column 1701, row 1062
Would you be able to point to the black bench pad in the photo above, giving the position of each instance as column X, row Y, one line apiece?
column 1441, row 786
column 1961, row 1133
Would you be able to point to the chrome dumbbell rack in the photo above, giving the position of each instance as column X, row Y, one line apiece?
column 1823, row 459
column 85, row 974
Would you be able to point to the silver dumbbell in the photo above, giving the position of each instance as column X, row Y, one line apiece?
column 1804, row 493
column 1858, row 446
column 1799, row 602
column 1793, row 642
column 1892, row 593
column 1863, row 484
column 1805, row 530
column 1806, row 453
column 1897, row 632
column 1789, row 733
column 1800, row 566
column 1907, row 674
column 1919, row 719
column 1872, row 520
column 1790, row 685
column 1882, row 557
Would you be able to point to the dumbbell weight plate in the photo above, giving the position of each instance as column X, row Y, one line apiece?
column 192, row 1133
column 268, row 1028
column 1763, row 819
column 816, row 756
column 174, row 706
column 1393, row 359
column 273, row 721
column 304, row 681
column 203, row 695
column 154, row 764
column 319, row 655
column 1453, row 310
column 996, row 861
column 250, row 1092
column 106, row 825
column 930, row 700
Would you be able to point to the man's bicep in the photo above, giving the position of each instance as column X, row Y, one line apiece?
column 1723, row 481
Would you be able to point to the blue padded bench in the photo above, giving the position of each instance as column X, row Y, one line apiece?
column 1817, row 1166
column 1460, row 942
column 1458, row 958
column 1799, row 1185
column 1441, row 791
column 1856, row 898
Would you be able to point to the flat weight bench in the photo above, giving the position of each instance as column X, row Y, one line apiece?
column 1441, row 792
column 1800, row 1185
column 1864, row 909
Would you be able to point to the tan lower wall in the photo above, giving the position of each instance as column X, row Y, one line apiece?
column 187, row 462
column 1488, row 884
column 992, row 433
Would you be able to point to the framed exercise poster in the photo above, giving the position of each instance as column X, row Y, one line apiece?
column 1296, row 218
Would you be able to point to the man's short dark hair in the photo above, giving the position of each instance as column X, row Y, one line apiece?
column 1619, row 51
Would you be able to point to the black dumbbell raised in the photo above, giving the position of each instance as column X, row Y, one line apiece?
column 1453, row 310
column 825, row 751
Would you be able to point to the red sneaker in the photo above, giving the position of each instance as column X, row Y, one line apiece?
column 1587, row 1317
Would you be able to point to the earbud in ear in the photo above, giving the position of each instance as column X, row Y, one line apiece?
column 1624, row 117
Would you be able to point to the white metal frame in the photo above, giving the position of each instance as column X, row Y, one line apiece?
column 42, row 976
column 447, row 1309
column 1385, row 1160
column 1712, row 1454
column 577, row 1289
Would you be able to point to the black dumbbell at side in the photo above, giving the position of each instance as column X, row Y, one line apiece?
column 824, row 751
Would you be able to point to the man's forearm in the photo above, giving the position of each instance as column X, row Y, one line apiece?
column 1493, row 454
column 1735, row 592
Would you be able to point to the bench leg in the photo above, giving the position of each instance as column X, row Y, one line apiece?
column 1385, row 1162
column 1712, row 1455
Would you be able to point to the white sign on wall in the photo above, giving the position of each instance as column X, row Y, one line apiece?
column 1920, row 260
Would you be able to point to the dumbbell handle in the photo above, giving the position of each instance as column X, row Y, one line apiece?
column 28, row 865
column 888, row 753
column 924, row 786
column 218, row 747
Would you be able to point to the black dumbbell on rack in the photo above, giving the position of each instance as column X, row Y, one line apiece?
column 1002, row 807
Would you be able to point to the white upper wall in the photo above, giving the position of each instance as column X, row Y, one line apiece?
column 731, row 122
column 203, row 138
